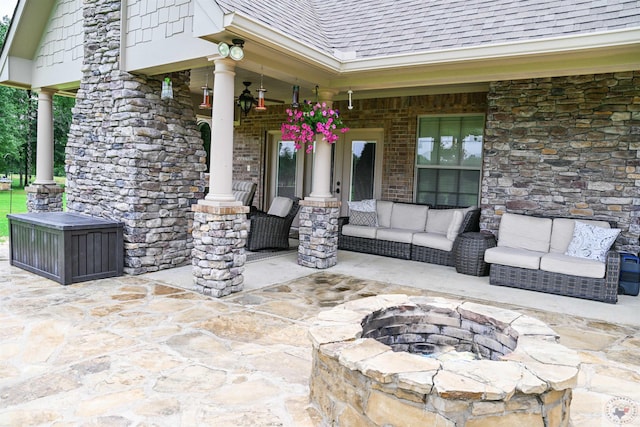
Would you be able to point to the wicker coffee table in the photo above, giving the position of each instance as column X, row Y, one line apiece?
column 469, row 253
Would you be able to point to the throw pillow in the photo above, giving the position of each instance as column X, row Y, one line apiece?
column 591, row 242
column 357, row 211
column 368, row 205
column 362, row 218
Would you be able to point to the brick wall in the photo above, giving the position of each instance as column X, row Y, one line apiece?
column 566, row 146
column 398, row 116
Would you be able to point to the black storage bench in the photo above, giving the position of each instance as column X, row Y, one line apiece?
column 66, row 247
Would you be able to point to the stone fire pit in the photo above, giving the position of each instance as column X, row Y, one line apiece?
column 399, row 360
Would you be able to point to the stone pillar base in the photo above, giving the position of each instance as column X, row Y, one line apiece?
column 218, row 255
column 44, row 198
column 318, row 233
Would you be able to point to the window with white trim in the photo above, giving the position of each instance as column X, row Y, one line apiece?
column 449, row 160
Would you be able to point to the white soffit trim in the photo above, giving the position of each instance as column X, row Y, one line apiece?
column 558, row 45
column 208, row 18
column 249, row 28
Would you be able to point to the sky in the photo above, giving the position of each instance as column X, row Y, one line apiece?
column 6, row 7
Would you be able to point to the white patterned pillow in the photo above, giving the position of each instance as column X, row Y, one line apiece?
column 591, row 242
column 363, row 213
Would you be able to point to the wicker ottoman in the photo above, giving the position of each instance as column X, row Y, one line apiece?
column 469, row 253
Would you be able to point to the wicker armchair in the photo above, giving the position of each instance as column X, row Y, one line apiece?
column 271, row 231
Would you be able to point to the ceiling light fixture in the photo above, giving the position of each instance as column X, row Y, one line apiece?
column 234, row 51
column 350, row 92
column 246, row 100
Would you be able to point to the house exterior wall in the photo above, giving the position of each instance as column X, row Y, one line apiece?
column 398, row 116
column 131, row 156
column 60, row 52
column 158, row 33
column 565, row 146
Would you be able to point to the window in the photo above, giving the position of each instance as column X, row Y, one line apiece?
column 449, row 160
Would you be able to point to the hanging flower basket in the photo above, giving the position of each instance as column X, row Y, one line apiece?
column 312, row 119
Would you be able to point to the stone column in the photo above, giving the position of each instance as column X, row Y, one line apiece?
column 220, row 222
column 319, row 211
column 44, row 195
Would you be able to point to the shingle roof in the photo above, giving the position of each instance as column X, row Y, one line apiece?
column 383, row 27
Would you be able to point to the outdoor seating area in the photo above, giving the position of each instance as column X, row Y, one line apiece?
column 406, row 231
column 560, row 255
column 147, row 349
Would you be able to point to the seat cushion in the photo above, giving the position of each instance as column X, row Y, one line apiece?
column 513, row 257
column 524, row 232
column 395, row 235
column 359, row 231
column 433, row 240
column 409, row 217
column 573, row 266
column 280, row 206
column 562, row 232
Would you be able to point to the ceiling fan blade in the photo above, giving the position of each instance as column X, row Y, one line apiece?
column 275, row 101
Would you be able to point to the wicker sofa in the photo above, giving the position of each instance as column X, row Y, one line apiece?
column 535, row 253
column 408, row 231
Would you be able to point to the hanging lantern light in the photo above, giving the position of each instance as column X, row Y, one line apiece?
column 206, row 96
column 260, row 104
column 167, row 89
column 246, row 100
column 295, row 97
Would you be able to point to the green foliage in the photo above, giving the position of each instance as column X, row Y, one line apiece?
column 11, row 201
column 18, row 124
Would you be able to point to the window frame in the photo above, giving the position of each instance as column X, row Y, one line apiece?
column 418, row 167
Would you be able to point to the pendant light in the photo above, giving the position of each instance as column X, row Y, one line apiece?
column 246, row 100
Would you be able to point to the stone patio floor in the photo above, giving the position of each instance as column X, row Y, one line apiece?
column 134, row 351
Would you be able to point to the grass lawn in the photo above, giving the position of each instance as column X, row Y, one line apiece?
column 15, row 201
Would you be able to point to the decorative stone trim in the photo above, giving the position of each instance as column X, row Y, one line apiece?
column 44, row 198
column 218, row 255
column 361, row 381
column 318, row 233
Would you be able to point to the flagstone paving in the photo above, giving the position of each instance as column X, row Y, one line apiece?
column 133, row 351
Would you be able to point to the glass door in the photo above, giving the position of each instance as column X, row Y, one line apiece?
column 285, row 168
column 358, row 167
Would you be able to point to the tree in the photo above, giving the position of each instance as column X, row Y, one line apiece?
column 18, row 124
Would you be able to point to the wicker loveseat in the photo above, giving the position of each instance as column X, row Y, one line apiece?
column 408, row 231
column 533, row 253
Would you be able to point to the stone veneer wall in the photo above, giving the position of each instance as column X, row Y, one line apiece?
column 131, row 156
column 565, row 146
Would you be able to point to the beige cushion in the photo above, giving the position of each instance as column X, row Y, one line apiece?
column 524, row 232
column 573, row 266
column 514, row 257
column 562, row 232
column 409, row 217
column 438, row 220
column 384, row 208
column 280, row 206
column 433, row 240
column 359, row 231
column 454, row 225
column 394, row 235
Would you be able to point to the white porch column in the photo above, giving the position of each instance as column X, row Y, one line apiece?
column 221, row 162
column 321, row 181
column 44, row 148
